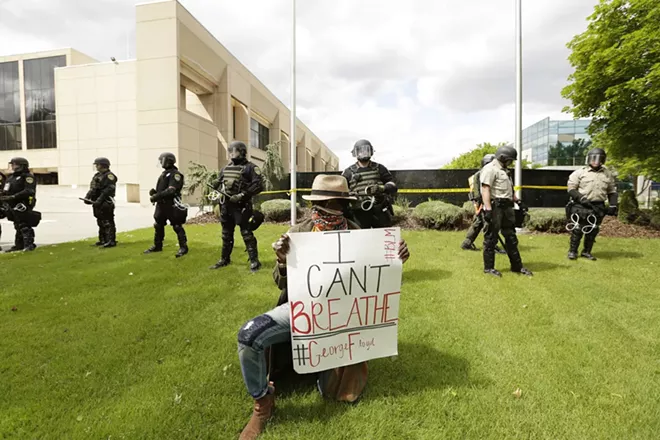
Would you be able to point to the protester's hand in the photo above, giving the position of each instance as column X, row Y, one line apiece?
column 236, row 198
column 282, row 247
column 404, row 253
column 488, row 214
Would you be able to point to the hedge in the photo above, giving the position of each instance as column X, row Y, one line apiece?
column 400, row 214
column 547, row 220
column 278, row 210
column 438, row 215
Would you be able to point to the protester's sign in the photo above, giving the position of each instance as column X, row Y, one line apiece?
column 344, row 289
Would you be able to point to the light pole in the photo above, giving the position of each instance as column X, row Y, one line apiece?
column 519, row 90
column 292, row 134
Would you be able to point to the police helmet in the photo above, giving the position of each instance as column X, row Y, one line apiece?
column 102, row 161
column 21, row 162
column 363, row 150
column 238, row 146
column 597, row 156
column 506, row 153
column 255, row 220
column 167, row 160
column 487, row 159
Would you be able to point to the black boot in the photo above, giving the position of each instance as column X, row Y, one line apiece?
column 574, row 244
column 18, row 241
column 524, row 271
column 589, row 241
column 28, row 239
column 225, row 255
column 102, row 239
column 252, row 250
column 110, row 234
column 159, row 236
column 494, row 272
column 183, row 241
column 499, row 250
column 467, row 245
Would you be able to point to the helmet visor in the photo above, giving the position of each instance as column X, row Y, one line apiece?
column 596, row 160
column 363, row 151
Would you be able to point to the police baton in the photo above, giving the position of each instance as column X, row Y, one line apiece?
column 85, row 200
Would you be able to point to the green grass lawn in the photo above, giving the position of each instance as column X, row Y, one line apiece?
column 113, row 344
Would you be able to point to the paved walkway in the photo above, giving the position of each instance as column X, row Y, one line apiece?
column 65, row 218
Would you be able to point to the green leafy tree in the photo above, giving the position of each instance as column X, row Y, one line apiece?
column 616, row 81
column 272, row 169
column 200, row 177
column 472, row 159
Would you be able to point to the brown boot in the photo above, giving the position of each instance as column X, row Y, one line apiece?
column 263, row 411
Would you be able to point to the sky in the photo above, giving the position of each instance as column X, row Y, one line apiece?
column 423, row 80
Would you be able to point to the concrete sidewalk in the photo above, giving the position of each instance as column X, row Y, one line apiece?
column 65, row 218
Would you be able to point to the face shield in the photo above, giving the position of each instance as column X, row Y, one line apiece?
column 596, row 160
column 234, row 153
column 363, row 152
column 14, row 167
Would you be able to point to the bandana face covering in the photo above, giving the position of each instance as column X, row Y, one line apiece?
column 325, row 219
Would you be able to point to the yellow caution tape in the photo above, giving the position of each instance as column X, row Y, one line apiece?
column 425, row 190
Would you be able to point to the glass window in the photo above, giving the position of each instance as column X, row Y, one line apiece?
column 259, row 135
column 40, row 101
column 313, row 164
column 10, row 107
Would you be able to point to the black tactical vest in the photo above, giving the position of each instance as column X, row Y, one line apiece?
column 233, row 177
column 363, row 178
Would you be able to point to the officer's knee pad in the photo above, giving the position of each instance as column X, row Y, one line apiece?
column 254, row 328
column 177, row 228
column 246, row 233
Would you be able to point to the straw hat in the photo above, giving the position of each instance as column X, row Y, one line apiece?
column 329, row 187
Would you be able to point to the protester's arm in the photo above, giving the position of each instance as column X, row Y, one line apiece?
column 281, row 248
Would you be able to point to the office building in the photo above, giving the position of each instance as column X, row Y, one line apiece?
column 556, row 143
column 183, row 93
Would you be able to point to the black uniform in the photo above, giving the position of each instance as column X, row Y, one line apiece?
column 102, row 192
column 239, row 177
column 374, row 175
column 20, row 198
column 168, row 189
column 3, row 214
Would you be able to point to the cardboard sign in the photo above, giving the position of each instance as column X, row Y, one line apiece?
column 344, row 289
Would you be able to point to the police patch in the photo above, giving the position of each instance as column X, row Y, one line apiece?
column 177, row 177
column 257, row 170
column 111, row 176
column 29, row 179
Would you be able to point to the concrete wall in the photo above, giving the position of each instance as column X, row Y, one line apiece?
column 96, row 116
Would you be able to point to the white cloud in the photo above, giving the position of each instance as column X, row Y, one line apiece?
column 423, row 80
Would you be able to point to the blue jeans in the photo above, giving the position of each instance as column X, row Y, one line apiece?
column 273, row 327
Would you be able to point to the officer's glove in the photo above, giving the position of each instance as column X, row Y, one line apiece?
column 613, row 210
column 236, row 198
column 154, row 198
column 487, row 214
column 523, row 206
column 7, row 198
column 152, row 192
column 375, row 189
column 584, row 201
column 97, row 203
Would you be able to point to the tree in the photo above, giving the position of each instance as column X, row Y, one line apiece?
column 616, row 81
column 273, row 170
column 199, row 176
column 472, row 159
column 573, row 154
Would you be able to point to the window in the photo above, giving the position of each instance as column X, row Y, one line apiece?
column 233, row 122
column 259, row 135
column 313, row 164
column 40, row 101
column 10, row 107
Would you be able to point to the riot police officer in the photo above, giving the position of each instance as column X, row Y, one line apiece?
column 589, row 188
column 19, row 199
column 239, row 181
column 167, row 197
column 374, row 187
column 498, row 211
column 475, row 198
column 3, row 214
column 101, row 196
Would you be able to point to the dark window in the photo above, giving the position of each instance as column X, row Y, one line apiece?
column 10, row 107
column 259, row 135
column 313, row 164
column 233, row 121
column 40, row 101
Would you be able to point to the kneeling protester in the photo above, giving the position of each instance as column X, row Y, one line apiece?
column 338, row 307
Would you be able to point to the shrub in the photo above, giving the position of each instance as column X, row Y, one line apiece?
column 547, row 220
column 438, row 215
column 278, row 210
column 655, row 214
column 400, row 214
column 628, row 207
column 468, row 211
